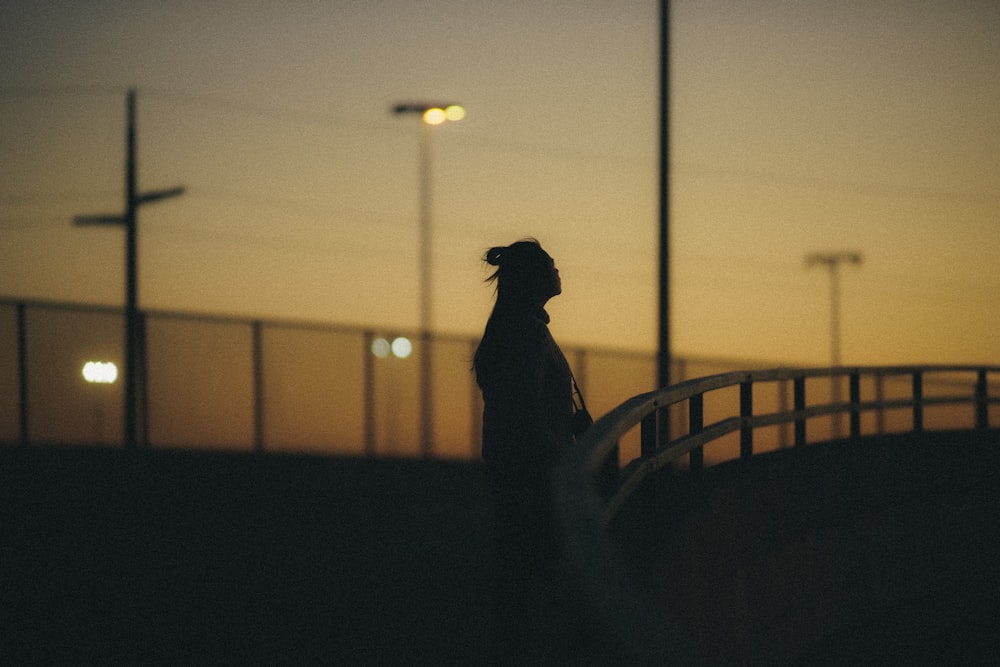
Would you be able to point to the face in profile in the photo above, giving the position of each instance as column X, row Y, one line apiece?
column 552, row 284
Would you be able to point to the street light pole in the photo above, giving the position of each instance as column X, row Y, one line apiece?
column 424, row 221
column 135, row 358
column 431, row 114
column 833, row 260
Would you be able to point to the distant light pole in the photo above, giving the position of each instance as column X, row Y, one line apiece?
column 833, row 260
column 430, row 114
column 135, row 358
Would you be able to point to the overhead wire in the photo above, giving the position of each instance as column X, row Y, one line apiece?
column 322, row 212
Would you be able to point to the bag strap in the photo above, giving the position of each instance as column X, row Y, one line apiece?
column 578, row 393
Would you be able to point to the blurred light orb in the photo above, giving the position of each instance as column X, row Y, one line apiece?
column 455, row 112
column 402, row 347
column 435, row 116
column 100, row 372
column 381, row 348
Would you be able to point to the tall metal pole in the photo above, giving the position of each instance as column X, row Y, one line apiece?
column 663, row 371
column 663, row 343
column 834, row 314
column 430, row 114
column 135, row 361
column 833, row 260
column 426, row 354
column 131, row 280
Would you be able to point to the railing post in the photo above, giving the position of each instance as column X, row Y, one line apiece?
column 880, row 402
column 696, row 421
column 982, row 402
column 918, row 402
column 647, row 435
column 746, row 419
column 799, row 399
column 783, row 407
column 855, row 389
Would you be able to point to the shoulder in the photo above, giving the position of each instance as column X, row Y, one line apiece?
column 519, row 325
column 516, row 337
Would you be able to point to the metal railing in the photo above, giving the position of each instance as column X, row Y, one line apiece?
column 592, row 488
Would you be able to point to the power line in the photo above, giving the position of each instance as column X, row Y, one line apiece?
column 55, row 197
column 298, row 207
column 61, row 91
column 284, row 114
column 869, row 188
column 679, row 170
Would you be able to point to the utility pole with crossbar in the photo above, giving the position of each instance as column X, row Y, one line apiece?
column 135, row 353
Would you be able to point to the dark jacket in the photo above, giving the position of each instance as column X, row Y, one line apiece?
column 527, row 392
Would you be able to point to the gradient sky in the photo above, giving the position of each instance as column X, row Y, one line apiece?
column 798, row 126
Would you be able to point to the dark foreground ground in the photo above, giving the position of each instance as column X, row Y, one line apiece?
column 115, row 557
column 881, row 553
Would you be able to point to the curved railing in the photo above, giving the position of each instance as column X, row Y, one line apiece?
column 592, row 489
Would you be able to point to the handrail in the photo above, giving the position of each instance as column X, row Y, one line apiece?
column 591, row 490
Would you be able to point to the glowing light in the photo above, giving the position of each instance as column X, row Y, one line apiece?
column 455, row 112
column 381, row 348
column 100, row 372
column 435, row 116
column 402, row 347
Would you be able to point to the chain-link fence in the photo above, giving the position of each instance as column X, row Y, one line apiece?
column 241, row 384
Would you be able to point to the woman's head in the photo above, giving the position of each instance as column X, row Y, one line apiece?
column 525, row 274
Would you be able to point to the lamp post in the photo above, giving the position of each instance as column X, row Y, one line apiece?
column 430, row 115
column 833, row 260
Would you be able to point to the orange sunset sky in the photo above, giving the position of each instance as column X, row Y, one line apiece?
column 798, row 126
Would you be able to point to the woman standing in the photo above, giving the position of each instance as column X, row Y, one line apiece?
column 528, row 411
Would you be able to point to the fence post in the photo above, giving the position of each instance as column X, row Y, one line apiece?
column 799, row 390
column 369, row 338
column 855, row 389
column 918, row 402
column 22, row 368
column 258, row 387
column 746, row 419
column 982, row 402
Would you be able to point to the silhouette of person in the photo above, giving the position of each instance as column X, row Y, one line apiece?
column 527, row 390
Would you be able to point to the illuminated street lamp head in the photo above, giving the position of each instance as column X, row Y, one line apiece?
column 434, row 116
column 432, row 113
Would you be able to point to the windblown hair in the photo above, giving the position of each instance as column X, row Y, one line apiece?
column 521, row 268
